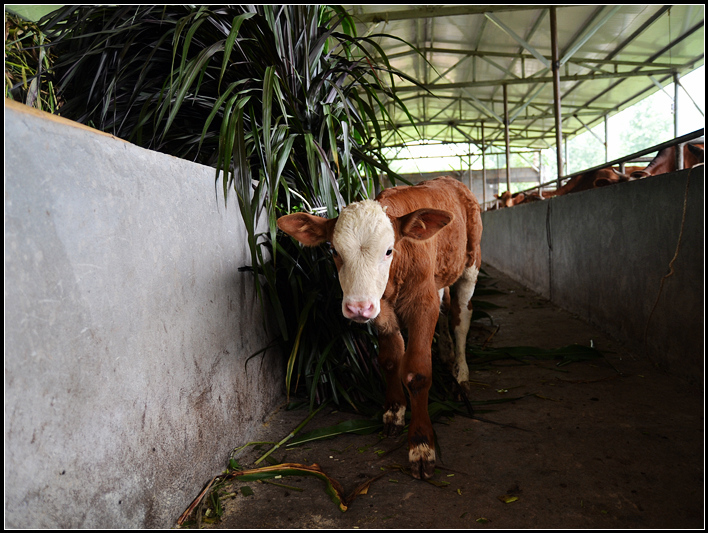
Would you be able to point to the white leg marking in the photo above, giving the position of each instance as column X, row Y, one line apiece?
column 464, row 290
column 397, row 417
column 421, row 452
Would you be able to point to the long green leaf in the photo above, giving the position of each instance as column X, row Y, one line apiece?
column 359, row 427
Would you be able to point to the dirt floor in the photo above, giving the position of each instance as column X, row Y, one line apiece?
column 610, row 443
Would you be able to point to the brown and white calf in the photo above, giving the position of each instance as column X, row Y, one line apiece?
column 396, row 256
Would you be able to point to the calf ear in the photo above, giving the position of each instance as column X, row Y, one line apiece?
column 308, row 229
column 424, row 223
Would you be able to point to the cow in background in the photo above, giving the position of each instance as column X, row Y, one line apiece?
column 665, row 160
column 591, row 180
column 582, row 182
column 506, row 199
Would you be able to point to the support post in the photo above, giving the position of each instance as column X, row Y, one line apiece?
column 679, row 147
column 484, row 172
column 506, row 139
column 676, row 104
column 607, row 141
column 556, row 94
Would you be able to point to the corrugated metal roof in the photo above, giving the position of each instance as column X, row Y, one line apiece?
column 610, row 57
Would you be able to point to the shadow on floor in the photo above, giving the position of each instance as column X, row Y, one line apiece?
column 609, row 443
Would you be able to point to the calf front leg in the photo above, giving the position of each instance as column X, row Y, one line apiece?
column 416, row 372
column 391, row 349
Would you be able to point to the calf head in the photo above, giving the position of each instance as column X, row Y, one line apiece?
column 363, row 240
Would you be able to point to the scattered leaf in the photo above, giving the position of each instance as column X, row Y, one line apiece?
column 332, row 486
column 357, row 426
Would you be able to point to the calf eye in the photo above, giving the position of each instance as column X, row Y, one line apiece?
column 389, row 252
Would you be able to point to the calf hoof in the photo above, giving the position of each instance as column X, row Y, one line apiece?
column 461, row 372
column 394, row 421
column 392, row 430
column 422, row 459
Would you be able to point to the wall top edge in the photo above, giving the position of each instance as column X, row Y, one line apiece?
column 22, row 108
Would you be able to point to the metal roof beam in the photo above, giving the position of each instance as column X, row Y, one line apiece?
column 506, row 29
column 522, row 81
column 691, row 98
column 521, row 101
column 476, row 102
column 466, row 123
column 656, row 55
column 448, row 106
column 453, row 67
column 589, row 33
column 659, row 86
column 498, row 66
column 489, row 53
column 528, row 100
column 439, row 11
column 588, row 128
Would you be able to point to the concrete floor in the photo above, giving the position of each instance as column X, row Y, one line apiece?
column 611, row 443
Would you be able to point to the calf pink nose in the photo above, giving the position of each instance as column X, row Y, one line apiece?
column 359, row 310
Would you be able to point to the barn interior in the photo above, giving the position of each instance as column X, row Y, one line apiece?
column 587, row 268
column 583, row 269
column 124, row 382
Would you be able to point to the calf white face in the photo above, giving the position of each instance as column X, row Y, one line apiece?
column 362, row 246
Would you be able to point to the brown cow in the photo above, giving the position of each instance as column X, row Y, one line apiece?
column 665, row 160
column 582, row 182
column 396, row 257
column 591, row 180
column 506, row 199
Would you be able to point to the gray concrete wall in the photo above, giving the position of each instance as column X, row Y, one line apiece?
column 602, row 255
column 127, row 329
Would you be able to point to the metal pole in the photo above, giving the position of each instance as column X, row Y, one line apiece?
column 676, row 106
column 540, row 170
column 506, row 139
column 469, row 164
column 679, row 147
column 607, row 141
column 484, row 172
column 556, row 94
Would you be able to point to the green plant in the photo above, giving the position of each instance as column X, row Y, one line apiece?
column 26, row 58
column 286, row 102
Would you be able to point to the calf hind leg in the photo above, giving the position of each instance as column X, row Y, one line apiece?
column 461, row 307
column 446, row 350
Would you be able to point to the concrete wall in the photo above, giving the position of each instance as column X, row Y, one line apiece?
column 602, row 255
column 127, row 328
